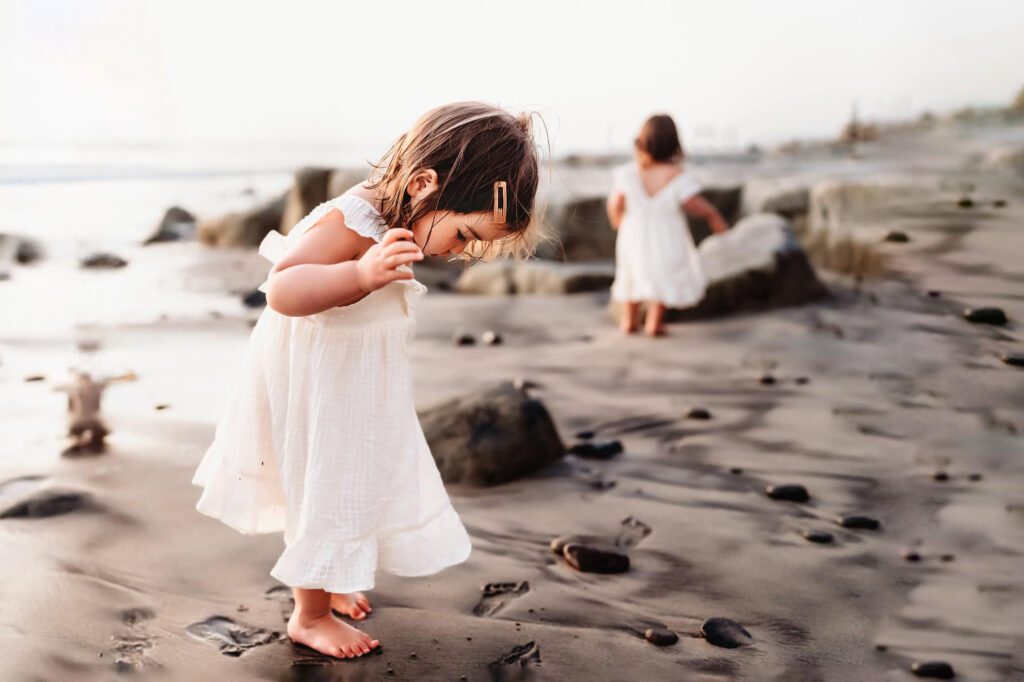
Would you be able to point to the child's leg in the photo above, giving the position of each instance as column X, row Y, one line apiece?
column 355, row 605
column 313, row 624
column 655, row 319
column 627, row 320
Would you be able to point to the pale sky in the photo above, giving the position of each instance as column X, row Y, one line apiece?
column 357, row 74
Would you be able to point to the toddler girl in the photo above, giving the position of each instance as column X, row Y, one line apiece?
column 321, row 438
column 655, row 257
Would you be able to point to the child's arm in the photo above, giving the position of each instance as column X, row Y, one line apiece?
column 702, row 208
column 333, row 266
column 616, row 208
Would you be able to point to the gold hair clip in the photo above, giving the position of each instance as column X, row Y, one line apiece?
column 500, row 202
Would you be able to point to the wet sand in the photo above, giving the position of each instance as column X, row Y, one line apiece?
column 875, row 392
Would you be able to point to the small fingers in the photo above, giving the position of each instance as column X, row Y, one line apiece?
column 400, row 247
column 402, row 259
column 394, row 235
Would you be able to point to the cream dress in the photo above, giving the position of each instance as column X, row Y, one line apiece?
column 655, row 257
column 321, row 439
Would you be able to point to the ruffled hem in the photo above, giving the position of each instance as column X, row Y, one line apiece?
column 671, row 299
column 350, row 566
column 248, row 505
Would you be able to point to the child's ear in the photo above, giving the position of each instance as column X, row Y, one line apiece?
column 422, row 182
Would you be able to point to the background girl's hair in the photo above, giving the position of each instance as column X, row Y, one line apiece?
column 471, row 145
column 659, row 139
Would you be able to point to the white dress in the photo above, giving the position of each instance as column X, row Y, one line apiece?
column 655, row 257
column 321, row 439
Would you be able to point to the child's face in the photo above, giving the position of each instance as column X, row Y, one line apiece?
column 445, row 233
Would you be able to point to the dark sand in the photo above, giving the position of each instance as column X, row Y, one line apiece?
column 898, row 387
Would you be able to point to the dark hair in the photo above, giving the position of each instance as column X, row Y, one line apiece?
column 470, row 145
column 659, row 139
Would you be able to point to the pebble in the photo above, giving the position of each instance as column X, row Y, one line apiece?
column 859, row 522
column 947, row 557
column 966, row 202
column 940, row 476
column 161, row 406
column 593, row 560
column 1015, row 359
column 698, row 413
column 933, row 293
column 602, row 450
column 735, row 470
column 985, row 315
column 661, row 636
column 254, row 299
column 103, row 260
column 725, row 633
column 896, row 236
column 585, row 435
column 802, row 381
column 767, row 380
column 789, row 492
column 35, row 377
column 558, row 544
column 490, row 338
column 999, row 203
column 819, row 536
column 939, row 670
column 974, row 477
column 464, row 340
column 911, row 555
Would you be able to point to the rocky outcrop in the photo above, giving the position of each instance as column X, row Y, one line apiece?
column 176, row 225
column 490, row 437
column 342, row 180
column 786, row 198
column 246, row 228
column 507, row 277
column 308, row 191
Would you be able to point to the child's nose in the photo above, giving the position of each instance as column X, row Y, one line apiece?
column 458, row 248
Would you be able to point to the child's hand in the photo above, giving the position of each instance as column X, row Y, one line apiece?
column 379, row 265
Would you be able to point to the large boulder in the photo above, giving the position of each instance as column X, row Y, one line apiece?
column 246, row 228
column 787, row 198
column 491, row 437
column 506, row 277
column 343, row 179
column 177, row 224
column 757, row 265
column 308, row 191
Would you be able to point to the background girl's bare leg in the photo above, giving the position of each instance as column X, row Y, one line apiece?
column 655, row 325
column 627, row 321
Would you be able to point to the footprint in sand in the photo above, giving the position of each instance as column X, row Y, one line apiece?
column 26, row 498
column 131, row 648
column 523, row 656
column 496, row 596
column 231, row 638
column 283, row 595
column 632, row 532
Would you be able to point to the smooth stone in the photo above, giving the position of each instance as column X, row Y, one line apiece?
column 735, row 470
column 940, row 476
column 35, row 377
column 767, row 380
column 911, row 555
column 103, row 260
column 934, row 294
column 939, row 670
column 966, row 202
column 897, row 237
column 999, row 203
column 661, row 636
column 974, row 477
column 790, row 492
column 947, row 557
column 254, row 299
column 802, row 381
column 585, row 435
column 558, row 544
column 725, row 633
column 1015, row 359
column 464, row 340
column 989, row 315
column 698, row 413
column 819, row 536
column 859, row 522
column 490, row 338
column 602, row 450
column 593, row 560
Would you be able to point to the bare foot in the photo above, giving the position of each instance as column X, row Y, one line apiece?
column 354, row 605
column 329, row 635
column 627, row 329
column 654, row 333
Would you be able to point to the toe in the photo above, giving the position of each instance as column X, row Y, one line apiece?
column 357, row 613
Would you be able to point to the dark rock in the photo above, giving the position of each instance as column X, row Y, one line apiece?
column 790, row 492
column 177, row 224
column 966, row 202
column 802, row 381
column 660, row 636
column 989, row 315
column 602, row 450
column 161, row 407
column 254, row 299
column 34, row 377
column 1014, row 359
column 974, row 477
column 558, row 544
column 490, row 338
column 819, row 536
column 859, row 522
column 27, row 251
column 939, row 670
column 940, row 476
column 725, row 633
column 103, row 260
column 911, row 556
column 735, row 470
column 464, row 340
column 590, row 559
column 231, row 638
column 309, row 190
column 585, row 435
column 246, row 228
column 490, row 437
column 999, row 203
column 947, row 557
column 934, row 294
column 767, row 380
column 45, row 503
column 698, row 413
column 896, row 237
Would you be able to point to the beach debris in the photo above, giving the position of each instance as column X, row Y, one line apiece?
column 939, row 670
column 940, row 476
column 698, row 413
column 490, row 338
column 496, row 596
column 46, row 503
column 896, row 236
column 725, row 633
column 523, row 655
column 659, row 636
column 176, row 225
column 230, row 637
column 820, row 537
column 790, row 492
column 491, row 436
column 107, row 261
column 600, row 450
column 859, row 522
column 464, row 339
column 254, row 299
column 589, row 559
column 911, row 555
column 987, row 315
column 1014, row 359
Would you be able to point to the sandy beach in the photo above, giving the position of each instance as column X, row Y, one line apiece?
column 882, row 401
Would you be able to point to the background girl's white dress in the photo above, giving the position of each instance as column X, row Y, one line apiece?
column 321, row 439
column 655, row 257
